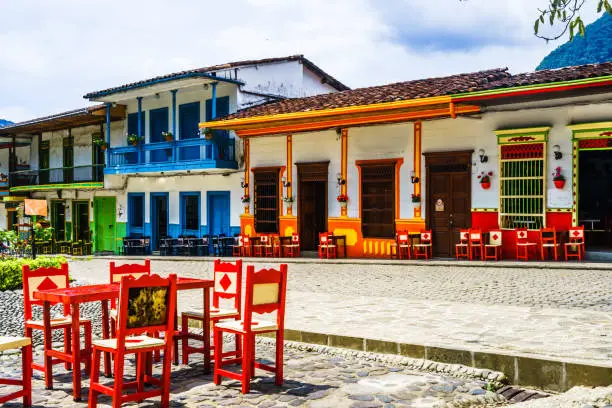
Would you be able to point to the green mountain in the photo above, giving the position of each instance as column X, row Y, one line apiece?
column 594, row 47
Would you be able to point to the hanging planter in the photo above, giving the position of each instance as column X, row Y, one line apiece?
column 134, row 140
column 485, row 180
column 168, row 136
column 208, row 135
column 342, row 200
column 558, row 178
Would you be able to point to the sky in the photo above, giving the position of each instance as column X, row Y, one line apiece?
column 54, row 52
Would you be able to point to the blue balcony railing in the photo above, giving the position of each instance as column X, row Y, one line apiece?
column 186, row 154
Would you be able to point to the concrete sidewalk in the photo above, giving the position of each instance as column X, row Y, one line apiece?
column 535, row 345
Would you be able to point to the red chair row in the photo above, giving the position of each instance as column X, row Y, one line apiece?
column 267, row 245
column 405, row 249
column 472, row 246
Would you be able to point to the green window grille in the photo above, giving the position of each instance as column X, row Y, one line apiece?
column 522, row 186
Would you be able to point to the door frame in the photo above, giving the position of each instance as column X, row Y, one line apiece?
column 312, row 172
column 52, row 206
column 73, row 206
column 96, row 202
column 154, row 238
column 130, row 214
column 456, row 157
column 209, row 213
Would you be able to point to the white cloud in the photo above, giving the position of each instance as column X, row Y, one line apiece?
column 52, row 53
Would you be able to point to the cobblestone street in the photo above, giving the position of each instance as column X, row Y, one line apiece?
column 321, row 378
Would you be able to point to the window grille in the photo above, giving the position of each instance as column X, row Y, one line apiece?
column 378, row 201
column 192, row 211
column 522, row 186
column 266, row 201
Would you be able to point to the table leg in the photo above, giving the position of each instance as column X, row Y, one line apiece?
column 76, row 352
column 48, row 365
column 206, row 330
column 106, row 335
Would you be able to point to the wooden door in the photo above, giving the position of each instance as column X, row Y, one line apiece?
column 219, row 213
column 159, row 218
column 448, row 199
column 104, row 224
column 312, row 203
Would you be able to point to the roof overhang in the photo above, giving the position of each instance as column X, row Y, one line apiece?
column 92, row 115
column 159, row 85
column 362, row 115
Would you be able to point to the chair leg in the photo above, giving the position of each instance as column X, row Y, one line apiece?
column 246, row 364
column 26, row 370
column 87, row 330
column 118, row 384
column 94, row 378
column 218, row 343
column 167, row 372
column 68, row 346
column 140, row 372
column 184, row 339
column 280, row 342
column 253, row 343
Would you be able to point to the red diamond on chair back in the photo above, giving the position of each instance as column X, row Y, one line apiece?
column 295, row 238
column 228, row 282
column 264, row 239
column 46, row 284
column 41, row 279
column 425, row 237
column 521, row 234
column 495, row 238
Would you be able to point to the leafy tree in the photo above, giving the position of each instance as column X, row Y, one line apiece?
column 565, row 15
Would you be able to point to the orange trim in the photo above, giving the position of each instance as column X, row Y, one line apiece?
column 453, row 114
column 327, row 124
column 418, row 130
column 289, row 171
column 397, row 163
column 344, row 167
column 247, row 163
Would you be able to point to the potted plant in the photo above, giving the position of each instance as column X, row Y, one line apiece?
column 288, row 201
column 485, row 180
column 245, row 199
column 558, row 178
column 416, row 198
column 100, row 142
column 168, row 136
column 343, row 200
column 208, row 134
column 134, row 139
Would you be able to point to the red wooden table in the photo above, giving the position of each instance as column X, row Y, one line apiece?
column 76, row 295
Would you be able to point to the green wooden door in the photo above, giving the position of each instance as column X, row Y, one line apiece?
column 104, row 219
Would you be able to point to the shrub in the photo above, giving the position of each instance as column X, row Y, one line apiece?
column 10, row 269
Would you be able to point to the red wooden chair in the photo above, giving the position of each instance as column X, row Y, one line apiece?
column 548, row 243
column 327, row 248
column 146, row 305
column 523, row 244
column 52, row 278
column 25, row 344
column 272, row 249
column 119, row 271
column 228, row 286
column 293, row 249
column 574, row 248
column 476, row 244
column 237, row 250
column 247, row 248
column 259, row 249
column 424, row 248
column 462, row 248
column 265, row 293
column 493, row 250
column 403, row 245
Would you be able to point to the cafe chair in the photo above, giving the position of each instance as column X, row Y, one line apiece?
column 247, row 248
column 237, row 250
column 228, row 288
column 476, row 245
column 424, row 248
column 274, row 249
column 403, row 245
column 548, row 243
column 574, row 248
column 202, row 247
column 493, row 250
column 523, row 245
column 119, row 271
column 462, row 248
column 25, row 344
column 146, row 305
column 264, row 293
column 327, row 248
column 259, row 247
column 293, row 248
column 46, row 279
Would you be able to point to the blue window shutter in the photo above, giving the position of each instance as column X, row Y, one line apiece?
column 158, row 123
column 189, row 119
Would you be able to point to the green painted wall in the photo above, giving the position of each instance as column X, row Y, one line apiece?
column 121, row 233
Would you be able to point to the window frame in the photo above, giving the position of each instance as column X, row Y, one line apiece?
column 270, row 170
column 394, row 166
column 133, row 229
column 183, row 212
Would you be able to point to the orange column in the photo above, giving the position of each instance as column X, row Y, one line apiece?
column 290, row 171
column 417, row 166
column 247, row 172
column 344, row 167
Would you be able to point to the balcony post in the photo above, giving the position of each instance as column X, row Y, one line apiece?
column 140, row 129
column 108, row 131
column 213, row 102
column 174, row 149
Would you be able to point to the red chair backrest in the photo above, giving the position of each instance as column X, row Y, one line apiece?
column 246, row 240
column 295, row 238
column 265, row 292
column 548, row 235
column 403, row 237
column 521, row 234
column 134, row 270
column 576, row 234
column 324, row 237
column 495, row 237
column 425, row 236
column 264, row 239
column 464, row 236
column 240, row 238
column 41, row 279
column 228, row 282
column 475, row 236
column 146, row 304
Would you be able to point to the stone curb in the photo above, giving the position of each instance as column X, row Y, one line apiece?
column 549, row 375
column 605, row 266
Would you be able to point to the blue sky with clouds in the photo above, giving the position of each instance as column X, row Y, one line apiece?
column 53, row 52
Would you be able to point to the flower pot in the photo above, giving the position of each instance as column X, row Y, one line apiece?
column 134, row 144
column 169, row 138
column 103, row 147
column 208, row 136
column 343, row 204
column 559, row 183
column 486, row 185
